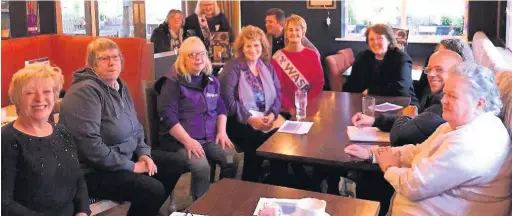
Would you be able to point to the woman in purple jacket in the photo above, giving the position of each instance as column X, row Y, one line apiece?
column 193, row 116
column 251, row 90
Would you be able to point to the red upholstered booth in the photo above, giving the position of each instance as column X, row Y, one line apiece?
column 68, row 53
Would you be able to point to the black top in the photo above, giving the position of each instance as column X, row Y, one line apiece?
column 407, row 130
column 277, row 43
column 41, row 175
column 161, row 38
column 192, row 26
column 391, row 78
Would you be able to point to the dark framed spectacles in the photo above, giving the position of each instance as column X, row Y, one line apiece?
column 108, row 58
column 196, row 54
column 436, row 70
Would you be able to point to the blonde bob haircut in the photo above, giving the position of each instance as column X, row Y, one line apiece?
column 34, row 71
column 216, row 10
column 183, row 52
column 295, row 20
column 100, row 45
column 251, row 33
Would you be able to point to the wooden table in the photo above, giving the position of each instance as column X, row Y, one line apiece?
column 331, row 113
column 234, row 197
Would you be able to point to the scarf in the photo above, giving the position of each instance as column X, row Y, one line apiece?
column 176, row 39
column 205, row 30
column 246, row 94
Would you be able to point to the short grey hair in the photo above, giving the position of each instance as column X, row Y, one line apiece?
column 458, row 46
column 481, row 84
column 171, row 13
column 215, row 4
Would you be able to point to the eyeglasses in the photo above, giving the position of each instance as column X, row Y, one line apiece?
column 437, row 70
column 105, row 59
column 194, row 55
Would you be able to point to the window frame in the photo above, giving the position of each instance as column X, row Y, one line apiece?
column 412, row 38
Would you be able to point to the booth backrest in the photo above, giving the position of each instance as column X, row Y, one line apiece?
column 68, row 53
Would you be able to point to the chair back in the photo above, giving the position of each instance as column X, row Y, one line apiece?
column 337, row 64
column 402, row 36
column 152, row 121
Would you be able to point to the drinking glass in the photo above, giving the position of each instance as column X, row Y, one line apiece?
column 301, row 103
column 369, row 106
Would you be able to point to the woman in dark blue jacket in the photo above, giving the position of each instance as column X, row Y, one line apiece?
column 384, row 69
column 193, row 116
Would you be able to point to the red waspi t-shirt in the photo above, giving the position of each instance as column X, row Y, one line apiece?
column 307, row 62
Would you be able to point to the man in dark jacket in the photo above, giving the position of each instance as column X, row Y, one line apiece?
column 411, row 127
column 169, row 35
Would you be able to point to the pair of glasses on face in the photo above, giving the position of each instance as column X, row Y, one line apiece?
column 436, row 70
column 105, row 59
column 194, row 55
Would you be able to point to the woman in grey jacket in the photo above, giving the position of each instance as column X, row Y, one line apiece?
column 99, row 113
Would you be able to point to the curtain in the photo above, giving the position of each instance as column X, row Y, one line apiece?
column 232, row 11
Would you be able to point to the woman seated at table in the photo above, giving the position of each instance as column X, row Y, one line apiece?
column 40, row 171
column 169, row 35
column 422, row 88
column 462, row 169
column 99, row 113
column 297, row 66
column 251, row 91
column 413, row 126
column 193, row 115
column 207, row 18
column 384, row 69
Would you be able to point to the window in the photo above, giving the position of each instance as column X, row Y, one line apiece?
column 427, row 21
column 156, row 12
column 73, row 17
column 6, row 22
column 115, row 18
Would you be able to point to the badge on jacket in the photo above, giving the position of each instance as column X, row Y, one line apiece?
column 217, row 27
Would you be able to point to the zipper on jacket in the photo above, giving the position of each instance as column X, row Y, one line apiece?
column 205, row 113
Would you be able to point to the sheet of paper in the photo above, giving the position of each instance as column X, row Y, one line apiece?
column 295, row 127
column 183, row 214
column 287, row 205
column 367, row 134
column 384, row 107
column 277, row 123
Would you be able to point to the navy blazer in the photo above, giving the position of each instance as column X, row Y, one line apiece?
column 392, row 78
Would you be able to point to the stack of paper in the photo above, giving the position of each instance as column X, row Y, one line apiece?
column 367, row 134
column 295, row 127
column 183, row 214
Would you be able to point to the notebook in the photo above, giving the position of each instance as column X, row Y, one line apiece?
column 367, row 134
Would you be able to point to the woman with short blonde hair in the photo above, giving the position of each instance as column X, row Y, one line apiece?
column 305, row 61
column 207, row 19
column 40, row 171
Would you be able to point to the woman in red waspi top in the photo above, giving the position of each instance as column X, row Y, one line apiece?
column 296, row 65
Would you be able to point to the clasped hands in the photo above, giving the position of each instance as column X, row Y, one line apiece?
column 262, row 123
column 384, row 155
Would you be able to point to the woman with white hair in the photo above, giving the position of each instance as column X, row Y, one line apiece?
column 169, row 35
column 461, row 169
column 207, row 18
column 40, row 171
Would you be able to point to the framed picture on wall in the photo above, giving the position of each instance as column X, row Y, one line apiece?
column 321, row 4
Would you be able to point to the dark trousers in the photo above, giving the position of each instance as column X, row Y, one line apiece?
column 146, row 194
column 248, row 139
column 371, row 185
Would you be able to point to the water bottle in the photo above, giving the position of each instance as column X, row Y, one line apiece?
column 301, row 103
